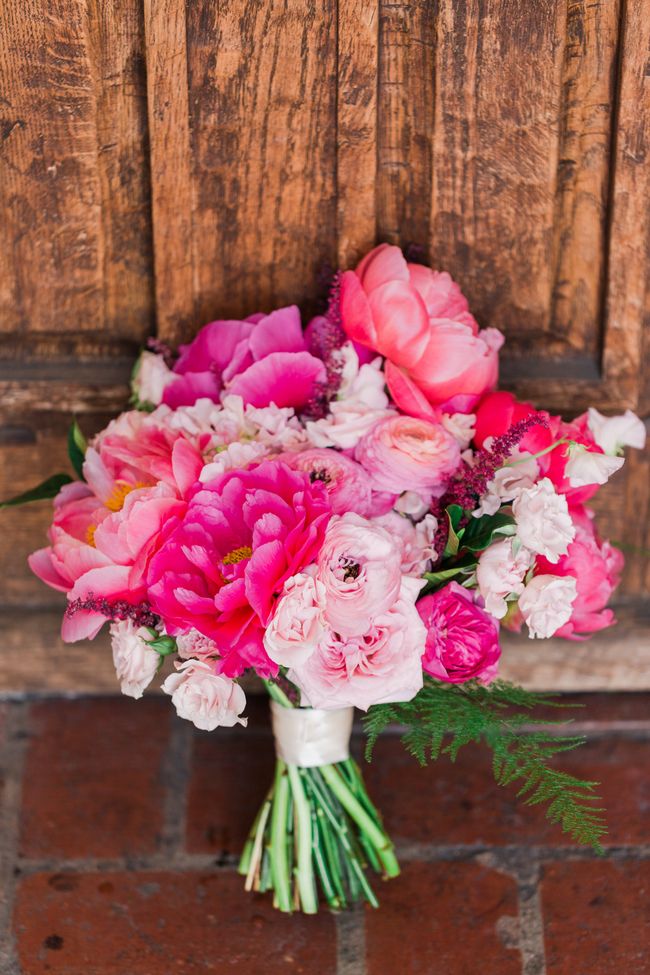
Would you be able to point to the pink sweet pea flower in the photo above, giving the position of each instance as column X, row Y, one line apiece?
column 417, row 318
column 264, row 359
column 462, row 639
column 596, row 566
column 223, row 567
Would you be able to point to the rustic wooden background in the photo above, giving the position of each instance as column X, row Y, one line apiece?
column 163, row 162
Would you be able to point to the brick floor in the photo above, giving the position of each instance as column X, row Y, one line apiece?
column 121, row 825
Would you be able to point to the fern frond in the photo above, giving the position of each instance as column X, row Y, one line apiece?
column 443, row 718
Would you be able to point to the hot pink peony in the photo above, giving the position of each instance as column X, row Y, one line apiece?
column 596, row 566
column 462, row 639
column 223, row 568
column 419, row 319
column 264, row 359
column 403, row 452
column 346, row 482
column 382, row 664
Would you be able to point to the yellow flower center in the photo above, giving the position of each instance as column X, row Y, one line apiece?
column 237, row 555
column 90, row 535
column 115, row 500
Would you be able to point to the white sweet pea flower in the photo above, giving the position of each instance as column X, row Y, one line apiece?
column 585, row 466
column 546, row 604
column 613, row 433
column 413, row 504
column 135, row 662
column 508, row 483
column 544, row 524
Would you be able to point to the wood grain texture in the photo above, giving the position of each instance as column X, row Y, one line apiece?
column 356, row 135
column 171, row 189
column 262, row 96
column 74, row 231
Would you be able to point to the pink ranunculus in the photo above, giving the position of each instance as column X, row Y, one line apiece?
column 346, row 482
column 136, row 663
column 419, row 320
column 206, row 698
column 298, row 622
column 416, row 540
column 462, row 639
column 359, row 566
column 404, row 453
column 381, row 665
column 71, row 553
column 596, row 566
column 223, row 567
column 263, row 359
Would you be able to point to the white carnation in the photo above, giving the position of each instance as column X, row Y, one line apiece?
column 546, row 604
column 544, row 524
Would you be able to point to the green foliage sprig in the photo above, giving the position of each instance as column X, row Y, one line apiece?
column 442, row 718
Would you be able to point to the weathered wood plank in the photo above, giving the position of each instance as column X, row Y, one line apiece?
column 73, row 184
column 356, row 142
column 262, row 96
column 171, row 189
column 406, row 121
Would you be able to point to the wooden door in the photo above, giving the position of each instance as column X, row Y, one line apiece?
column 164, row 162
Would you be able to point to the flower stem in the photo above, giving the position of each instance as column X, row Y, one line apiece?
column 279, row 859
column 304, row 870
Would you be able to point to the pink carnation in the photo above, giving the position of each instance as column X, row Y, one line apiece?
column 462, row 639
column 596, row 566
column 382, row 664
column 264, row 359
column 346, row 482
column 222, row 569
column 402, row 453
column 419, row 319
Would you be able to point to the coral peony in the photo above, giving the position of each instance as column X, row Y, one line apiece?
column 462, row 639
column 223, row 567
column 263, row 359
column 419, row 320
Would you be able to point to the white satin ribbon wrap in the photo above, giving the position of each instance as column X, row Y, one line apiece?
column 310, row 737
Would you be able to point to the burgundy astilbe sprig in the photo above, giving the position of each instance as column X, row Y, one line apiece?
column 162, row 349
column 473, row 482
column 118, row 609
column 325, row 342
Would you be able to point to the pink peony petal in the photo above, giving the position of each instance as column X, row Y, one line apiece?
column 83, row 625
column 383, row 264
column 406, row 395
column 355, row 311
column 281, row 331
column 187, row 464
column 40, row 562
column 283, row 378
column 401, row 321
column 191, row 386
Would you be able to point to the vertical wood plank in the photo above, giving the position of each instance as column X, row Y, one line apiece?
column 628, row 291
column 262, row 81
column 356, row 169
column 588, row 98
column 171, row 188
column 406, row 117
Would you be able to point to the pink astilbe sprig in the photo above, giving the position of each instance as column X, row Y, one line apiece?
column 140, row 614
column 325, row 341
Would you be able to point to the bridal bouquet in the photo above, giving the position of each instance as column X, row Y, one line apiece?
column 349, row 512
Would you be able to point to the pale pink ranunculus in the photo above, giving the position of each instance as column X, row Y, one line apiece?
column 206, row 698
column 347, row 483
column 416, row 540
column 544, row 524
column 359, row 566
column 500, row 573
column 546, row 604
column 298, row 622
column 222, row 568
column 596, row 566
column 264, row 359
column 381, row 665
column 462, row 639
column 404, row 453
column 136, row 663
column 417, row 318
column 72, row 552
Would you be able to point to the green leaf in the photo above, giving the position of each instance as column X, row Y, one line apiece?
column 434, row 579
column 480, row 532
column 453, row 536
column 77, row 449
column 46, row 489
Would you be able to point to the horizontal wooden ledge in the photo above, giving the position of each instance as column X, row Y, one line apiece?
column 35, row 661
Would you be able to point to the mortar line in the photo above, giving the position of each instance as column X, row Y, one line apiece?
column 351, row 941
column 12, row 759
column 175, row 778
column 531, row 921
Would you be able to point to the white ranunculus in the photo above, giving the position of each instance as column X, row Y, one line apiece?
column 544, row 524
column 546, row 604
column 135, row 662
column 205, row 698
column 500, row 573
column 612, row 433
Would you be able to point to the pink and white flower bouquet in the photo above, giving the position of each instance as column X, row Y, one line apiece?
column 351, row 512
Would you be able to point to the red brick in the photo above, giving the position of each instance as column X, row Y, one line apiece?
column 451, row 918
column 92, row 782
column 460, row 803
column 626, row 706
column 146, row 923
column 596, row 917
column 231, row 774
